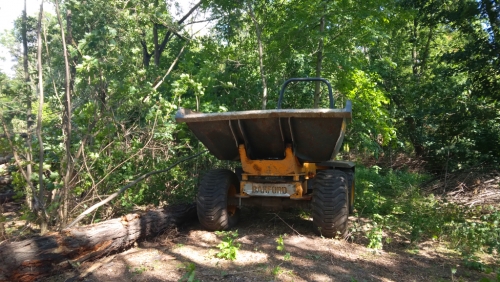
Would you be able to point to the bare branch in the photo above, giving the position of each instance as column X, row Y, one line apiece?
column 200, row 21
column 167, row 36
column 170, row 69
column 190, row 12
column 137, row 180
column 19, row 161
column 276, row 215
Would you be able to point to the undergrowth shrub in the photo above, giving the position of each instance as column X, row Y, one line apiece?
column 228, row 248
column 395, row 203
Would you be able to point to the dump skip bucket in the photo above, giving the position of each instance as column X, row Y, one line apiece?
column 315, row 134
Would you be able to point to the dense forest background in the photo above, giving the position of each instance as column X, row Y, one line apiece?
column 97, row 84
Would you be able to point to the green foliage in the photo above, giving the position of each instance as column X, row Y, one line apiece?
column 190, row 275
column 372, row 126
column 287, row 257
column 281, row 247
column 395, row 204
column 480, row 231
column 139, row 270
column 304, row 214
column 228, row 248
column 496, row 279
column 375, row 237
column 281, row 243
column 314, row 257
column 276, row 270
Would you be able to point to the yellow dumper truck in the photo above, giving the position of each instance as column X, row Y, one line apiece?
column 287, row 158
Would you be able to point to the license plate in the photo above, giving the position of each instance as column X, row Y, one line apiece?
column 269, row 189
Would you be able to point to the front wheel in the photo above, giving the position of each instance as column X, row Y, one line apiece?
column 213, row 207
column 330, row 205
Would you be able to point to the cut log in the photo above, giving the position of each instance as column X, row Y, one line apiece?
column 5, row 159
column 7, row 197
column 36, row 257
column 5, row 180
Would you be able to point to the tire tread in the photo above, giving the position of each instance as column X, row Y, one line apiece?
column 211, row 201
column 330, row 203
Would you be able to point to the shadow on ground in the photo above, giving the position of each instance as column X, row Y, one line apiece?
column 189, row 250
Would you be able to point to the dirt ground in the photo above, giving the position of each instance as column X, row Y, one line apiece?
column 171, row 256
column 189, row 249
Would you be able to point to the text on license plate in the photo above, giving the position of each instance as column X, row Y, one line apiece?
column 276, row 190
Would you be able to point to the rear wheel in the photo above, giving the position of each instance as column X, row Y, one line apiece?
column 330, row 203
column 215, row 209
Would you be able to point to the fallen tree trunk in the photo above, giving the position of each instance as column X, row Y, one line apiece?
column 5, row 159
column 36, row 257
column 7, row 197
column 5, row 180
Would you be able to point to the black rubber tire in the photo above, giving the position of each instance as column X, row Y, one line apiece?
column 212, row 200
column 330, row 203
column 351, row 184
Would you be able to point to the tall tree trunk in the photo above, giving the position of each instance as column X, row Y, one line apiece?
column 156, row 45
column 66, row 127
column 29, row 121
column 41, row 187
column 426, row 52
column 319, row 63
column 17, row 158
column 160, row 47
column 74, row 59
column 146, row 56
column 492, row 9
column 261, row 56
column 414, row 125
column 414, row 53
column 2, row 228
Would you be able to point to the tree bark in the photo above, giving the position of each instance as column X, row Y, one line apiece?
column 41, row 187
column 18, row 160
column 34, row 258
column 319, row 63
column 68, row 175
column 29, row 121
column 261, row 57
column 158, row 47
column 5, row 180
column 4, row 160
column 427, row 50
column 146, row 57
column 7, row 197
column 156, row 44
column 414, row 48
column 74, row 59
column 137, row 180
column 2, row 228
column 492, row 9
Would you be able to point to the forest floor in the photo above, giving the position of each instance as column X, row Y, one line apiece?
column 190, row 250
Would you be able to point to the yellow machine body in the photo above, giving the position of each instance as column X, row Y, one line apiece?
column 289, row 167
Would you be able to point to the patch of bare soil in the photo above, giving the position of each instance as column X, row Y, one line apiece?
column 311, row 258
